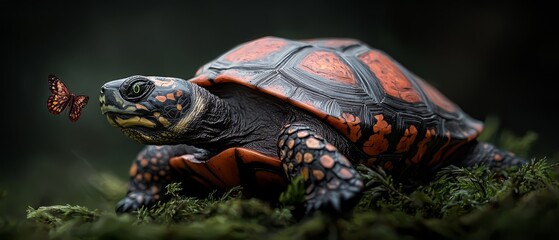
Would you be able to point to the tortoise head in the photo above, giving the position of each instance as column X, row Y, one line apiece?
column 151, row 110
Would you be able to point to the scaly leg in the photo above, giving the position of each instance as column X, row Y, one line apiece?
column 331, row 183
column 150, row 174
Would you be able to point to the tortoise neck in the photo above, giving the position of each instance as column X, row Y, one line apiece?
column 215, row 127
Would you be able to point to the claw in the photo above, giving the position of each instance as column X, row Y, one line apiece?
column 126, row 205
column 133, row 202
column 335, row 201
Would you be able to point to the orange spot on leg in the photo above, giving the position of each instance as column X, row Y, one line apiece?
column 161, row 98
column 345, row 173
column 143, row 162
column 305, row 173
column 313, row 143
column 318, row 175
column 327, row 161
column 133, row 170
column 170, row 96
column 307, row 158
column 147, row 177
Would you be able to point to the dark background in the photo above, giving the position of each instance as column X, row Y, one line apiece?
column 494, row 59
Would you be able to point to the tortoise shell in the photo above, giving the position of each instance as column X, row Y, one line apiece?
column 391, row 115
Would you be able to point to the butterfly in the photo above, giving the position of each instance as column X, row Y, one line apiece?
column 61, row 98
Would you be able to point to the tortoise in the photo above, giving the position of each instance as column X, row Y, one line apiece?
column 274, row 109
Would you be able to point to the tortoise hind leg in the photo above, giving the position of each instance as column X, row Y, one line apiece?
column 331, row 183
column 149, row 175
column 482, row 153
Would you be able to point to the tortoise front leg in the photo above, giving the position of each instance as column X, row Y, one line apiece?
column 149, row 175
column 330, row 181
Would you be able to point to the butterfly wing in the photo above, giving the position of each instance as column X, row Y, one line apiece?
column 60, row 95
column 57, row 103
column 57, row 87
column 77, row 104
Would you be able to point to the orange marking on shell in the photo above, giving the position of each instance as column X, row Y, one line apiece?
column 327, row 161
column 328, row 65
column 391, row 78
column 318, row 175
column 143, row 162
column 407, row 140
column 161, row 98
column 377, row 143
column 422, row 146
column 133, row 170
column 162, row 173
column 435, row 96
column 437, row 157
column 255, row 50
column 138, row 177
column 345, row 173
column 353, row 125
column 153, row 160
column 179, row 107
column 388, row 166
column 170, row 96
column 312, row 143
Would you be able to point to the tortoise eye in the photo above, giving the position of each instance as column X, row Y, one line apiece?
column 136, row 89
